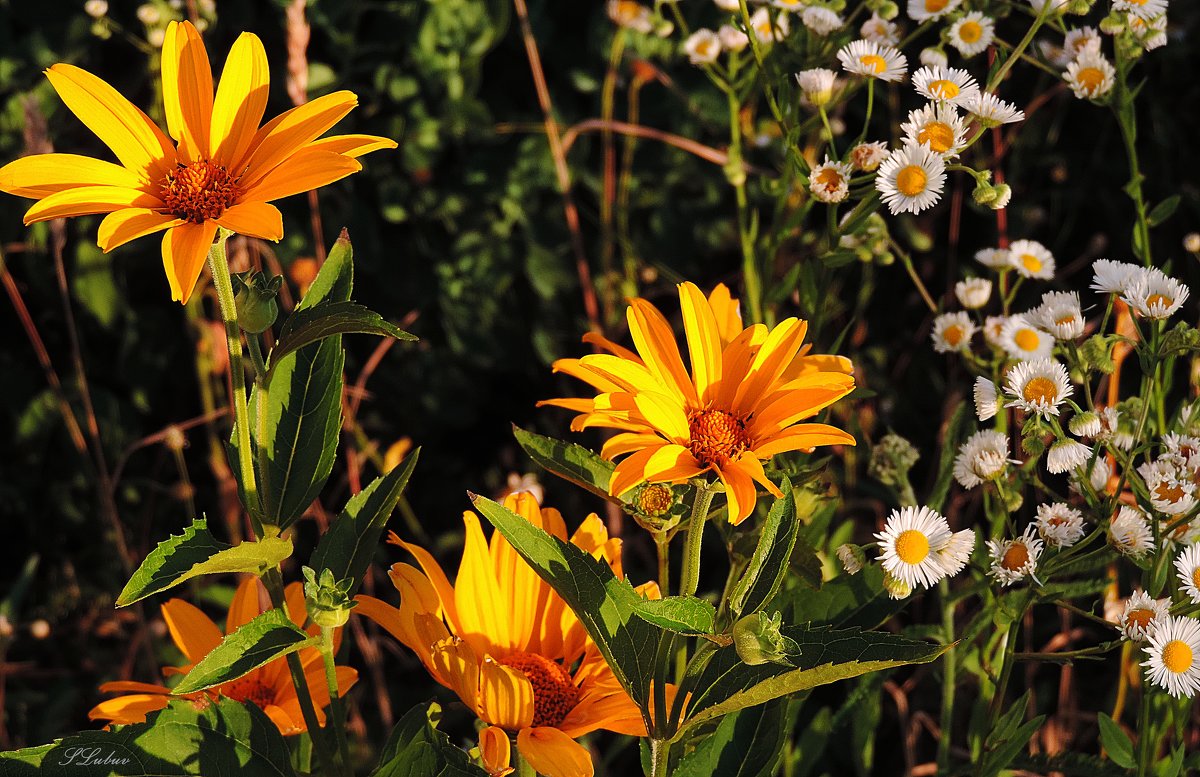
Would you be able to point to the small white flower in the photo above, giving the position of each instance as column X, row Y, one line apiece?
column 1014, row 560
column 933, row 57
column 1188, row 567
column 946, row 84
column 1141, row 615
column 996, row 258
column 868, row 156
column 880, row 30
column 909, row 543
column 1003, row 197
column 1142, row 9
column 952, row 332
column 1171, row 486
column 923, row 10
column 830, row 181
column 1110, row 419
column 1097, row 478
column 991, row 111
column 1031, row 259
column 1022, row 340
column 788, row 5
column 733, row 6
column 1174, row 652
column 972, row 34
column 1152, row 294
column 973, row 293
column 148, row 14
column 702, row 47
column 1067, row 455
column 1060, row 314
column 1150, row 33
column 1060, row 525
column 983, row 457
column 821, row 20
column 1130, row 532
column 732, row 39
column 1055, row 5
column 767, row 30
column 1113, row 277
column 1038, row 386
column 1090, row 76
column 630, row 15
column 896, row 588
column 817, row 85
column 1085, row 424
column 911, row 179
column 95, row 8
column 867, row 58
column 938, row 127
column 987, row 402
column 957, row 552
column 1078, row 41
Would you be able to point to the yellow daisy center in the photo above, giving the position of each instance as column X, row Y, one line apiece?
column 1196, row 577
column 970, row 32
column 937, row 135
column 250, row 689
column 1139, row 618
column 717, row 437
column 1064, row 320
column 199, row 191
column 655, row 499
column 1159, row 299
column 1031, row 263
column 911, row 180
column 1015, row 557
column 933, row 6
column 1040, row 389
column 627, row 11
column 829, row 179
column 554, row 692
column 1027, row 340
column 1090, row 79
column 704, row 47
column 873, row 62
column 1177, row 656
column 953, row 334
column 912, row 546
column 944, row 88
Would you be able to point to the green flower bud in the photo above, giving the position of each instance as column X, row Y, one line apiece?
column 255, row 300
column 1003, row 195
column 758, row 640
column 327, row 600
column 1113, row 24
column 1080, row 7
column 656, row 506
column 895, row 587
column 984, row 193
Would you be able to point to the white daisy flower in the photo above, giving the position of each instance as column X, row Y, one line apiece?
column 946, row 84
column 1067, row 455
column 852, row 557
column 1003, row 196
column 952, row 332
column 1022, row 340
column 821, row 20
column 1113, row 277
column 1110, row 420
column 957, row 552
column 923, row 10
column 789, row 5
column 1090, row 76
column 993, row 330
column 1150, row 33
column 1174, row 652
column 1055, row 5
column 880, row 30
column 1141, row 615
column 1130, row 532
column 933, row 57
column 1184, row 445
column 996, row 258
column 987, row 402
column 767, row 30
column 1188, row 567
column 817, row 85
column 867, row 58
column 1060, row 525
column 830, row 181
column 1142, row 9
column 702, row 47
column 1152, row 294
column 911, row 179
column 1014, row 560
column 938, row 127
column 1078, row 41
column 631, row 15
column 991, row 111
column 909, row 543
column 732, row 39
column 1172, row 489
column 1097, row 478
column 983, row 457
column 1031, row 259
column 1186, row 533
column 1060, row 314
column 972, row 34
column 973, row 293
column 868, row 156
column 1085, row 424
column 1039, row 386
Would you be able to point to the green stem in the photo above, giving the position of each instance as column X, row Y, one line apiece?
column 949, row 669
column 1145, row 735
column 695, row 534
column 736, row 173
column 999, row 75
column 337, row 709
column 660, row 750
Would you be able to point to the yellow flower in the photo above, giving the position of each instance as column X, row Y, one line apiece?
column 222, row 171
column 509, row 646
column 269, row 686
column 741, row 404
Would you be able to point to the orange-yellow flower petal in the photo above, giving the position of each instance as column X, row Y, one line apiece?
column 86, row 200
column 739, row 492
column 495, row 750
column 353, row 145
column 187, row 89
column 505, row 696
column 483, row 613
column 803, row 437
column 656, row 343
column 132, row 708
column 41, row 175
column 554, row 754
column 302, row 172
column 256, row 219
column 194, row 632
column 240, row 101
column 245, row 605
column 290, row 131
column 184, row 249
column 121, row 226
column 703, row 339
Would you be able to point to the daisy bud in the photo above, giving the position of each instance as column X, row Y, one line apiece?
column 852, row 557
column 734, row 173
column 973, row 293
column 896, row 588
column 328, row 601
column 758, row 640
column 255, row 301
column 984, row 193
column 888, row 10
column 96, row 8
column 1003, row 195
column 891, row 459
column 867, row 157
column 1080, row 7
column 1085, row 424
column 1113, row 24
column 933, row 57
column 1067, row 455
column 987, row 401
column 1191, row 242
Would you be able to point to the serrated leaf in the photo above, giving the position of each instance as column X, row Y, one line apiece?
column 1116, row 742
column 764, row 574
column 254, row 644
column 574, row 463
column 329, row 318
column 680, row 614
column 747, row 743
column 181, row 740
column 196, row 552
column 416, row 748
column 350, row 544
column 825, row 656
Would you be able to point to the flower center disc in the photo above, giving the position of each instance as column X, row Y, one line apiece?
column 970, row 32
column 912, row 546
column 1159, row 299
column 1170, row 492
column 717, row 437
column 944, row 88
column 933, row 6
column 1031, row 262
column 1027, row 340
column 251, row 690
column 829, row 179
column 655, row 499
column 1015, row 557
column 199, row 192
column 554, row 692
column 1090, row 78
column 1177, row 656
column 937, row 135
column 911, row 180
column 1040, row 390
column 873, row 62
column 953, row 335
column 1196, row 577
column 1140, row 618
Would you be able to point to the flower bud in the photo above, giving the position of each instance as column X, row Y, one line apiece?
column 758, row 640
column 328, row 601
column 255, row 301
column 895, row 587
column 852, row 557
column 1003, row 195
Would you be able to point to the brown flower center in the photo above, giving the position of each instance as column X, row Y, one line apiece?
column 1139, row 618
column 554, row 692
column 1015, row 557
column 1170, row 492
column 1041, row 390
column 717, row 437
column 250, row 689
column 199, row 192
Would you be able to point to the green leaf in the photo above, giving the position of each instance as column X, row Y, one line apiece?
column 223, row 738
column 955, row 428
column 416, row 748
column 1006, row 750
column 604, row 605
column 847, row 600
column 569, row 461
column 1116, row 742
column 326, row 319
column 1163, row 210
column 1069, row 764
column 681, row 614
column 825, row 656
column 767, row 567
column 747, row 743
column 297, row 412
column 257, row 642
column 350, row 544
column 196, row 552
